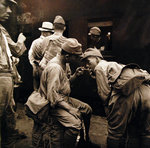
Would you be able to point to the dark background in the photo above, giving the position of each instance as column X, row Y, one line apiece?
column 130, row 40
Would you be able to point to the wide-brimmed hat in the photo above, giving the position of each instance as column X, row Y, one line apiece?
column 59, row 20
column 13, row 2
column 72, row 46
column 95, row 31
column 47, row 26
column 91, row 52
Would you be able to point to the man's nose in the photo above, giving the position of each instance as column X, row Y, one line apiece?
column 87, row 65
column 8, row 10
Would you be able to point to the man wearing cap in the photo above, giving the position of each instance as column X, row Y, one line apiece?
column 36, row 54
column 125, row 90
column 8, row 47
column 95, row 37
column 52, row 45
column 55, row 87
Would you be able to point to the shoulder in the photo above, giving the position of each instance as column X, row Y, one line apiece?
column 62, row 39
column 52, row 69
column 111, row 69
column 102, row 65
column 51, row 37
column 54, row 64
column 4, row 31
column 38, row 40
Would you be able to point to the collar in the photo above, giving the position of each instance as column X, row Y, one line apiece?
column 42, row 37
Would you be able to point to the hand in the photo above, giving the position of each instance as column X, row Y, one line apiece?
column 75, row 112
column 85, row 109
column 90, row 72
column 147, row 79
column 15, row 60
column 79, row 71
column 43, row 63
column 21, row 37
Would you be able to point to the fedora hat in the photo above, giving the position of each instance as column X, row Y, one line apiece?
column 95, row 31
column 47, row 26
column 72, row 46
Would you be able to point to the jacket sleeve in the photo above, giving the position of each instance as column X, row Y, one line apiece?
column 33, row 52
column 30, row 54
column 103, row 86
column 53, row 86
column 18, row 48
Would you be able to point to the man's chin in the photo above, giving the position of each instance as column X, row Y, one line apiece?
column 4, row 19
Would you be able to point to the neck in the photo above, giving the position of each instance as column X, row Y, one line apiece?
column 62, row 59
column 58, row 32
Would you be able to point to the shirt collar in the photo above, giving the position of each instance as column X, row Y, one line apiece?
column 42, row 37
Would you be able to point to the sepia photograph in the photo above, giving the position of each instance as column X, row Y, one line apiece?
column 75, row 74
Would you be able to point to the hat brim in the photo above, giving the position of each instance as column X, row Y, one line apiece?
column 89, row 55
column 42, row 29
column 14, row 2
column 94, row 34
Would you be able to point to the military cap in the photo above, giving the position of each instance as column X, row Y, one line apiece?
column 95, row 31
column 72, row 46
column 91, row 52
column 59, row 20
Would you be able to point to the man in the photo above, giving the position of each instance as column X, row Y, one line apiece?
column 52, row 45
column 9, row 133
column 95, row 37
column 125, row 90
column 55, row 87
column 85, row 85
column 35, row 53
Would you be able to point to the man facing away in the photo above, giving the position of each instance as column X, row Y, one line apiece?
column 8, row 47
column 125, row 90
column 52, row 45
column 35, row 53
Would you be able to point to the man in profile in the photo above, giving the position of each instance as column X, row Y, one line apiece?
column 8, row 48
column 125, row 93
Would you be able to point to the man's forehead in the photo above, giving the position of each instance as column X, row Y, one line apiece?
column 2, row 1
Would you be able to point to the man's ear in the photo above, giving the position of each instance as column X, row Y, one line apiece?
column 66, row 56
column 64, row 28
column 99, row 39
column 97, row 60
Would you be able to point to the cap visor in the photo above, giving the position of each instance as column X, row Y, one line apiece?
column 13, row 2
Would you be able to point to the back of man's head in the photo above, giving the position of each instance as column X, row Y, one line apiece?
column 59, row 23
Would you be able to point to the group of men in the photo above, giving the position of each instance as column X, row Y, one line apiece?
column 123, row 89
column 53, row 56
